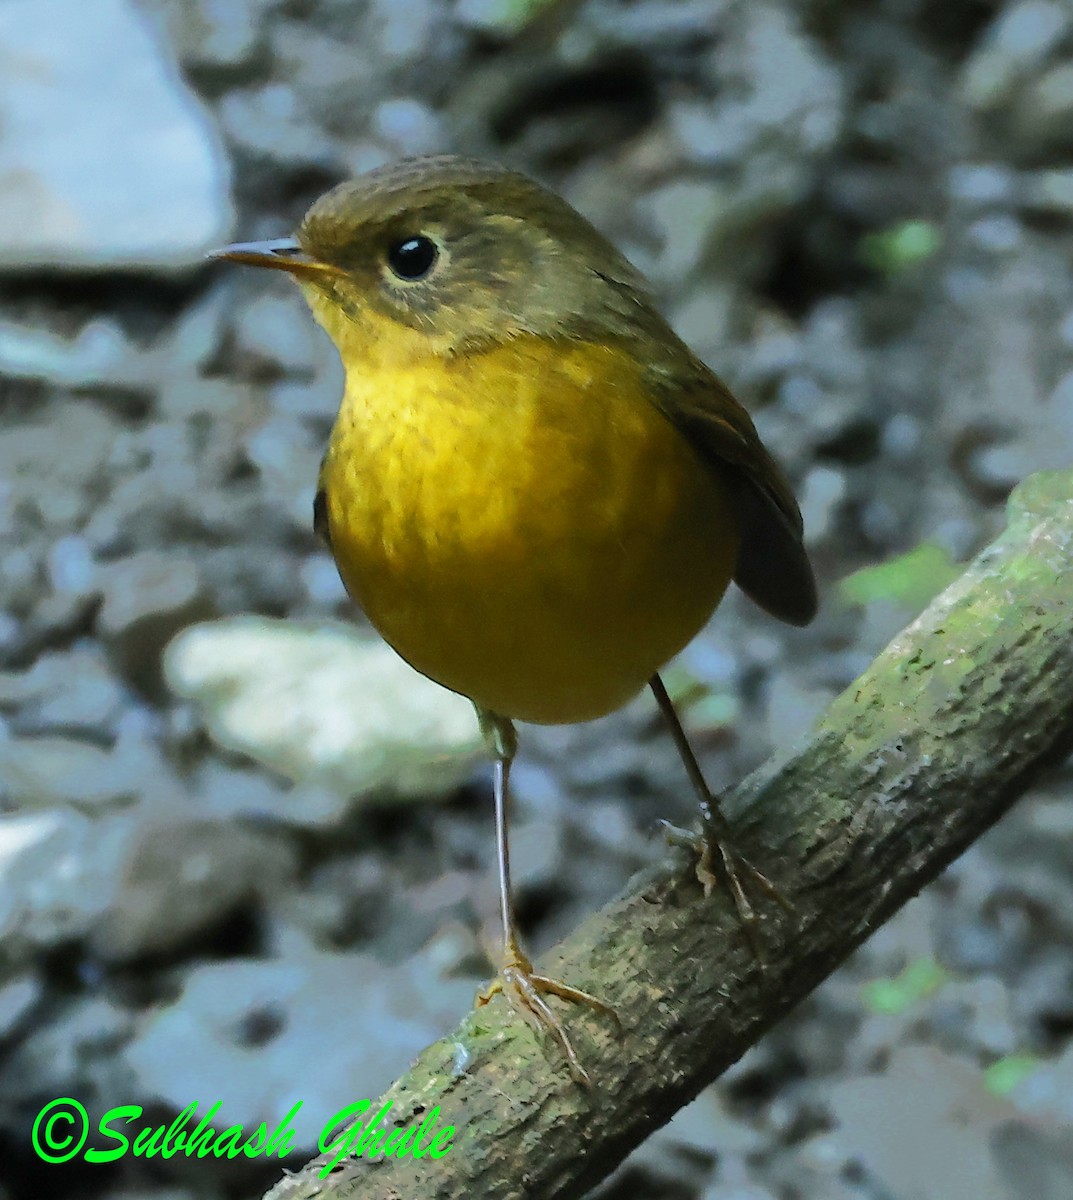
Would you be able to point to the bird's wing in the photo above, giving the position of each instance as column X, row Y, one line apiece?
column 773, row 569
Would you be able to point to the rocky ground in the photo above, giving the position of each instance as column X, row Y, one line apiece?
column 244, row 855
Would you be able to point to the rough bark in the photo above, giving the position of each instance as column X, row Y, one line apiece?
column 949, row 725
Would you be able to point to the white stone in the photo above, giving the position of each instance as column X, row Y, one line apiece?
column 321, row 703
column 106, row 158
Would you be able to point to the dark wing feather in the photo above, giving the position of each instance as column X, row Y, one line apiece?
column 773, row 569
column 320, row 517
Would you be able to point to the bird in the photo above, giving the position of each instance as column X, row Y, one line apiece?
column 537, row 493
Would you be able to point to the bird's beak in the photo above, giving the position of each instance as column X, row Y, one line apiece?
column 283, row 254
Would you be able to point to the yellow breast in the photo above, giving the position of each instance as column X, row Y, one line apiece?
column 523, row 525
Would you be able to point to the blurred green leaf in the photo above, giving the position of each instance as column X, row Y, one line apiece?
column 911, row 579
column 716, row 710
column 1005, row 1074
column 682, row 685
column 892, row 996
column 503, row 16
column 698, row 706
column 901, row 246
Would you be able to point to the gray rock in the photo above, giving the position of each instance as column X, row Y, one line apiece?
column 982, row 184
column 1044, row 440
column 43, row 771
column 70, row 691
column 106, row 159
column 935, row 1103
column 786, row 105
column 165, row 1193
column 1050, row 191
column 651, row 23
column 355, row 899
column 404, row 28
column 408, row 126
column 1001, row 466
column 317, row 398
column 325, row 1029
column 287, row 456
column 97, row 355
column 179, row 876
column 148, row 598
column 57, row 872
column 901, row 438
column 1047, row 1092
column 997, row 234
column 321, row 581
column 73, row 1055
column 267, row 122
column 687, row 215
column 218, row 41
column 1061, row 408
column 1013, row 48
column 792, row 709
column 229, row 794
column 976, row 1013
column 1045, row 109
column 190, row 344
column 1035, row 1161
column 70, row 565
column 742, row 1189
column 331, row 77
column 140, row 882
column 536, row 853
column 703, row 1132
column 46, row 483
column 821, row 497
column 702, row 319
column 17, row 998
column 276, row 328
column 880, row 521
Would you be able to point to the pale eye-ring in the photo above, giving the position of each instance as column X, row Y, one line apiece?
column 412, row 258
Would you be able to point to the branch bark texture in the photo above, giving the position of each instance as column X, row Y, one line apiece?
column 949, row 725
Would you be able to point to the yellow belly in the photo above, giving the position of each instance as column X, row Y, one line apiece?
column 524, row 526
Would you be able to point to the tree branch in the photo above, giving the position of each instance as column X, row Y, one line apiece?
column 949, row 725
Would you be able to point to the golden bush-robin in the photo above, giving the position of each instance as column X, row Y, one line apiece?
column 534, row 489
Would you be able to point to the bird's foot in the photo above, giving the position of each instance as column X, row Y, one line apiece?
column 719, row 861
column 526, row 991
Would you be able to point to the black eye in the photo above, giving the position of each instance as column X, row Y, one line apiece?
column 413, row 257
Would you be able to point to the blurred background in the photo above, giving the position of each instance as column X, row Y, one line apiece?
column 245, row 854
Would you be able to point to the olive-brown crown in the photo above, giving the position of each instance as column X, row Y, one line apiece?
column 469, row 251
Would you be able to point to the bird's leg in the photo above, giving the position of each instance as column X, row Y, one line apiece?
column 524, row 989
column 713, row 846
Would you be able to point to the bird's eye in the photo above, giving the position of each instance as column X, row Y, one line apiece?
column 412, row 257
